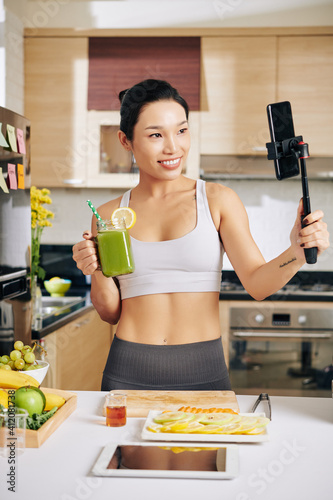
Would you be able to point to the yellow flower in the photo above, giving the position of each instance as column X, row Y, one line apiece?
column 39, row 219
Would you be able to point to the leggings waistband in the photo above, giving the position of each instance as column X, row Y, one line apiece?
column 199, row 362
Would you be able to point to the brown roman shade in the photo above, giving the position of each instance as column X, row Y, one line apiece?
column 117, row 63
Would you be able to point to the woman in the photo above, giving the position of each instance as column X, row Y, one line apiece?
column 168, row 336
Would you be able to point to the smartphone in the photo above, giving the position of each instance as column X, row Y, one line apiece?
column 281, row 127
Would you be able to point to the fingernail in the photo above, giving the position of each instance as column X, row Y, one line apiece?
column 302, row 245
column 85, row 233
column 305, row 221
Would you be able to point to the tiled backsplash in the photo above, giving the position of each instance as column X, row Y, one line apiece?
column 271, row 206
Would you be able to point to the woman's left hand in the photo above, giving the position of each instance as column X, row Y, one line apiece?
column 314, row 234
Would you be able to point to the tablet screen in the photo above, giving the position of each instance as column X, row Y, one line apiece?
column 196, row 460
column 168, row 458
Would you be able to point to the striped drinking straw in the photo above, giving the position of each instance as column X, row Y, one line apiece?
column 94, row 211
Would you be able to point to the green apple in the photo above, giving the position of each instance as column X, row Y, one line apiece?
column 31, row 399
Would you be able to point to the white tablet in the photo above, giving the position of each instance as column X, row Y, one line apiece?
column 160, row 459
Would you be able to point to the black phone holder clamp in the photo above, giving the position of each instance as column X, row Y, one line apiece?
column 300, row 150
column 288, row 147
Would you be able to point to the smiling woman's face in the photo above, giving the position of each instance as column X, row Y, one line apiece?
column 161, row 140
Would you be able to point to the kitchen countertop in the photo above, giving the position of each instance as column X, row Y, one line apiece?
column 282, row 296
column 294, row 463
column 69, row 314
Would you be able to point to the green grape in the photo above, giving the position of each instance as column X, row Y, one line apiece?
column 19, row 364
column 32, row 367
column 29, row 357
column 14, row 355
column 18, row 345
column 25, row 349
column 5, row 367
column 4, row 359
column 11, row 364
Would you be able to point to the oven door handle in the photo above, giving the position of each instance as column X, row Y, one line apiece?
column 304, row 335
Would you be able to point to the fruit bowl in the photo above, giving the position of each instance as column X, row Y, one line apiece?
column 38, row 373
column 57, row 287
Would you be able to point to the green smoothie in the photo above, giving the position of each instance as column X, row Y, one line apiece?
column 115, row 253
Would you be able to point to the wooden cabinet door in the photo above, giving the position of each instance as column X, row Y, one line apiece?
column 56, row 85
column 305, row 78
column 77, row 354
column 238, row 80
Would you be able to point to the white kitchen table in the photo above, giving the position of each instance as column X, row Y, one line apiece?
column 296, row 462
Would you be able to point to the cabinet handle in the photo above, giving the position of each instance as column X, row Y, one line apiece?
column 72, row 181
column 83, row 322
column 313, row 336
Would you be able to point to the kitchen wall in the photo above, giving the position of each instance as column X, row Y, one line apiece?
column 271, row 205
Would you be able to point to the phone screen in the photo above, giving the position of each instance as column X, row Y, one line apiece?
column 281, row 127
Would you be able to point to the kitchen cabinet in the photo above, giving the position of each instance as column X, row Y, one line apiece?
column 241, row 75
column 304, row 77
column 77, row 353
column 238, row 80
column 56, row 86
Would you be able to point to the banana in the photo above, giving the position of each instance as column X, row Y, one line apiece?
column 10, row 379
column 53, row 400
column 3, row 398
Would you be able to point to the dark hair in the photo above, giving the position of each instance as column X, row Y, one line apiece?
column 134, row 99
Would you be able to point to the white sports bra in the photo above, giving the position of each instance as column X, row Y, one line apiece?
column 192, row 263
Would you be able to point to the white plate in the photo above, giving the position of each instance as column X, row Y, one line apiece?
column 207, row 438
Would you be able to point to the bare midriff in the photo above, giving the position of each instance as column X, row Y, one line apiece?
column 170, row 318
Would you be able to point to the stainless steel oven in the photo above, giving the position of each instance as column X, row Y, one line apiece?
column 15, row 232
column 284, row 343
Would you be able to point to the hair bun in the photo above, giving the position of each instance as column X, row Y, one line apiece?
column 121, row 95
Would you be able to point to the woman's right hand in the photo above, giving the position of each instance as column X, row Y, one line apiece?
column 85, row 254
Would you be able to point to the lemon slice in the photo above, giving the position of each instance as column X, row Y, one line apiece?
column 256, row 430
column 192, row 427
column 230, row 428
column 245, row 429
column 125, row 213
column 211, row 429
column 154, row 428
column 171, row 416
column 262, row 421
column 215, row 418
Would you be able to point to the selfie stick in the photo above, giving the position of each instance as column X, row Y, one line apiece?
column 300, row 150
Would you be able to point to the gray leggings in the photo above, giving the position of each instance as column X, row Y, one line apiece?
column 199, row 366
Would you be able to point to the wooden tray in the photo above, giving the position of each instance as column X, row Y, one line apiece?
column 34, row 439
column 139, row 403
